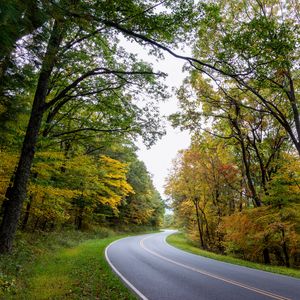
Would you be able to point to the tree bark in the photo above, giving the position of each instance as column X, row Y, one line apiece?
column 17, row 193
column 285, row 249
column 79, row 220
column 26, row 215
column 266, row 255
column 295, row 108
column 202, row 245
column 206, row 225
column 245, row 158
column 36, row 224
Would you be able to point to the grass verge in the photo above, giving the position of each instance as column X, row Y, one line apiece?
column 68, row 265
column 180, row 241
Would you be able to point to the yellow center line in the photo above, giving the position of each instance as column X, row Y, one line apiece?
column 233, row 282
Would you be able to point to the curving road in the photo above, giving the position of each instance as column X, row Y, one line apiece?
column 155, row 270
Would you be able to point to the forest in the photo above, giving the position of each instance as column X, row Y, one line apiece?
column 74, row 102
column 236, row 189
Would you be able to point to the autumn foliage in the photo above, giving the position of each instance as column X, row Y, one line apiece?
column 211, row 202
column 82, row 190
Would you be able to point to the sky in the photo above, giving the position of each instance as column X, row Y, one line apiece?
column 158, row 159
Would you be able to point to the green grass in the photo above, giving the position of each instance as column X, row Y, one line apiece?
column 66, row 265
column 180, row 241
column 80, row 272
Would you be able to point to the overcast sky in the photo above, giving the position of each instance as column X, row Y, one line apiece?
column 159, row 158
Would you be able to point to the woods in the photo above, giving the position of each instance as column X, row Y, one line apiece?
column 85, row 97
column 236, row 189
column 74, row 101
column 213, row 202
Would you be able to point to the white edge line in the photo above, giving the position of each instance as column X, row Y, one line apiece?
column 130, row 285
column 228, row 263
column 230, row 281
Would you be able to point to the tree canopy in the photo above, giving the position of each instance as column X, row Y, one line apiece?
column 68, row 68
column 241, row 104
column 74, row 100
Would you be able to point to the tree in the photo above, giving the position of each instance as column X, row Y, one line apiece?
column 105, row 183
column 263, row 68
column 211, row 202
column 253, row 47
column 247, row 234
column 17, row 20
column 204, row 180
column 144, row 206
column 257, row 138
column 69, row 190
column 87, row 22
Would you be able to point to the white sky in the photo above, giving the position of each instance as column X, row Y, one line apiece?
column 159, row 158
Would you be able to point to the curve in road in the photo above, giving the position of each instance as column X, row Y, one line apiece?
column 155, row 270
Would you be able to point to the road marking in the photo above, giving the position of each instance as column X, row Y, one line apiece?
column 233, row 282
column 129, row 284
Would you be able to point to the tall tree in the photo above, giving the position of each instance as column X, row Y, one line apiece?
column 91, row 20
column 252, row 46
column 205, row 179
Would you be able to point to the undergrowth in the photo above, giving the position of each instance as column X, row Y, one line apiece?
column 61, row 265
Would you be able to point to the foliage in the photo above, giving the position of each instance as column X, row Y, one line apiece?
column 202, row 187
column 168, row 221
column 7, row 163
column 243, row 92
column 285, row 186
column 80, row 189
column 248, row 233
column 254, row 50
column 211, row 203
column 145, row 206
column 80, row 84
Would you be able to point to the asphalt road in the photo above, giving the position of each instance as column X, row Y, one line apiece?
column 155, row 270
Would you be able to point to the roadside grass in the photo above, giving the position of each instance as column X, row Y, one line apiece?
column 61, row 265
column 80, row 272
column 179, row 240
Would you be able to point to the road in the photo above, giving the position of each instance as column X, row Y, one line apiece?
column 155, row 270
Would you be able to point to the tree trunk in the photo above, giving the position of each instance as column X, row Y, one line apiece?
column 245, row 156
column 279, row 257
column 28, row 206
column 246, row 163
column 17, row 193
column 286, row 255
column 295, row 108
column 52, row 226
column 266, row 255
column 199, row 226
column 44, row 225
column 206, row 225
column 79, row 222
column 285, row 249
column 26, row 215
column 36, row 224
